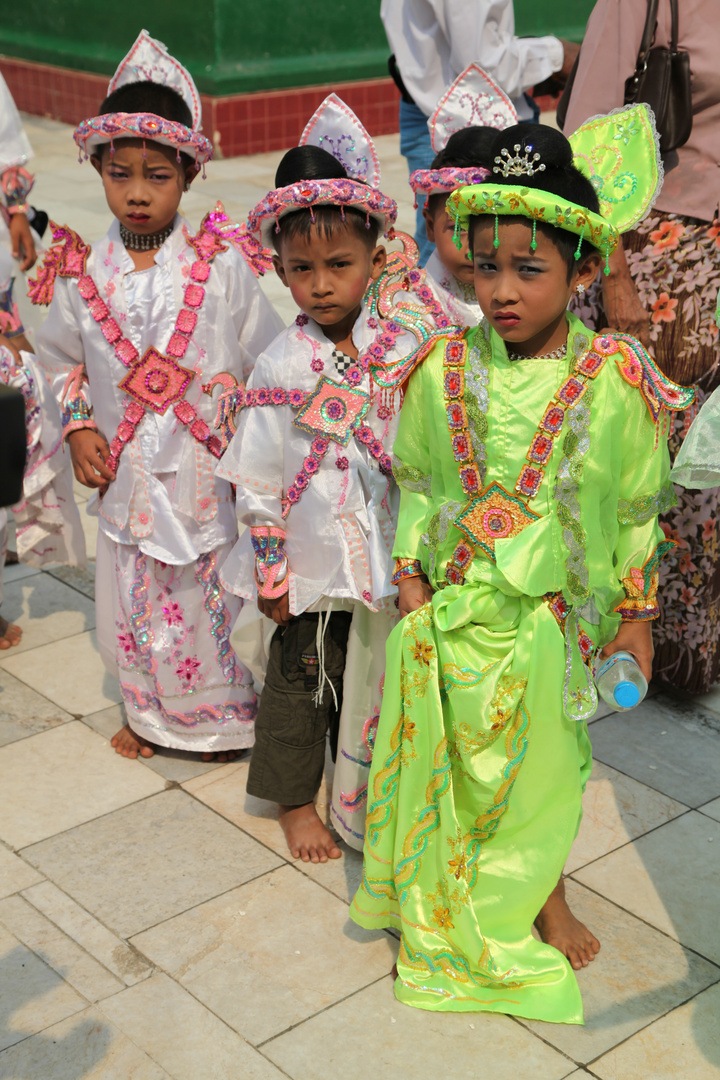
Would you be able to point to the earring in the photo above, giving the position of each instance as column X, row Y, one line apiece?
column 580, row 289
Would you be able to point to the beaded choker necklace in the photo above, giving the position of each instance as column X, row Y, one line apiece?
column 557, row 354
column 144, row 241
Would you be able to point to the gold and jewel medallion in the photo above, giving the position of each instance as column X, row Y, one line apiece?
column 156, row 382
column 494, row 515
column 332, row 411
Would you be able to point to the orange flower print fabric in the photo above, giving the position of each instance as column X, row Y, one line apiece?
column 675, row 264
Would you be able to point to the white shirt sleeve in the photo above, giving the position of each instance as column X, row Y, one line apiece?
column 434, row 40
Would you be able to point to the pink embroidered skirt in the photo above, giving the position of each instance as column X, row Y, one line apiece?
column 164, row 631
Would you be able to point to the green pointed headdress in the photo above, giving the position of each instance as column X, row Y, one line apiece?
column 619, row 154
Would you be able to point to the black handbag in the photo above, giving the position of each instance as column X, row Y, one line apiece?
column 661, row 79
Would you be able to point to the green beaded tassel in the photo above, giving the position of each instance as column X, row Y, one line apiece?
column 580, row 240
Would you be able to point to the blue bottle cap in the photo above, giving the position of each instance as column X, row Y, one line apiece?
column 626, row 695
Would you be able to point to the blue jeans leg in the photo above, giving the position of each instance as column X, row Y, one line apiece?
column 416, row 148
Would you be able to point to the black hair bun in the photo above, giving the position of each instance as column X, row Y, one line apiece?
column 559, row 176
column 469, row 148
column 149, row 97
column 308, row 163
column 554, row 149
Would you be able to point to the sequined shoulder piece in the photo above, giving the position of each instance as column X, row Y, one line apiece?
column 67, row 257
column 639, row 370
column 258, row 258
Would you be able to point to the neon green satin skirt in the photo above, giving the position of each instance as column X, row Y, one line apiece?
column 474, row 800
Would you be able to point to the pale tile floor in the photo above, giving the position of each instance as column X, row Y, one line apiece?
column 152, row 927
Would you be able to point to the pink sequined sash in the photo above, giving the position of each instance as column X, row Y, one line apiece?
column 157, row 381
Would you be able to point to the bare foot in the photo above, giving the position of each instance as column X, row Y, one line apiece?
column 221, row 755
column 307, row 837
column 127, row 743
column 558, row 927
column 10, row 634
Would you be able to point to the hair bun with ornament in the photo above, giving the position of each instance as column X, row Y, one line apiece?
column 349, row 160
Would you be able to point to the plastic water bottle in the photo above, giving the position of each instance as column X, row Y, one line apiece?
column 620, row 682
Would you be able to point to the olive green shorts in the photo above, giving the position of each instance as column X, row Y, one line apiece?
column 290, row 728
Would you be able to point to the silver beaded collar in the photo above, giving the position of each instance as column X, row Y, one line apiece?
column 557, row 354
column 144, row 241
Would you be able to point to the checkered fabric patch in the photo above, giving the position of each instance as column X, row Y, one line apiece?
column 342, row 362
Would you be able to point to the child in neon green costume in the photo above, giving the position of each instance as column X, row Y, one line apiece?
column 532, row 471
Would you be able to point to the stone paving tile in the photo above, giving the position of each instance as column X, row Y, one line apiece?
column 56, row 780
column 685, row 1045
column 15, row 873
column 225, row 792
column 59, row 951
column 183, row 1036
column 670, row 878
column 147, row 862
column 24, row 712
column 637, row 976
column 32, row 995
column 114, row 954
column 78, row 578
column 69, row 672
column 175, row 765
column 616, row 809
column 270, row 953
column 84, row 1047
column 710, row 701
column 667, row 743
column 17, row 571
column 711, row 809
column 372, row 1034
column 47, row 610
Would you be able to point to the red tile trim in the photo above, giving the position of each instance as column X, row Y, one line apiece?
column 238, row 124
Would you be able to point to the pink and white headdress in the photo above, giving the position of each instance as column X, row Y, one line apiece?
column 473, row 100
column 149, row 61
column 333, row 127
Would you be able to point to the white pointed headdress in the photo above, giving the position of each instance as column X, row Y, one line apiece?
column 333, row 127
column 149, row 61
column 473, row 100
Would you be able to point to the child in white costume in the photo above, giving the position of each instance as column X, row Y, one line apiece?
column 311, row 461
column 47, row 521
column 137, row 327
column 462, row 129
column 18, row 241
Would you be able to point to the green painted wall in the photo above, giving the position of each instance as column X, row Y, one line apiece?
column 235, row 46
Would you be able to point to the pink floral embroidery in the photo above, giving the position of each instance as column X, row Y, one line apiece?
column 188, row 669
column 126, row 643
column 173, row 614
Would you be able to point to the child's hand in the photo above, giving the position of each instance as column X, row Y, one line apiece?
column 89, row 452
column 413, row 593
column 636, row 638
column 23, row 245
column 278, row 609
